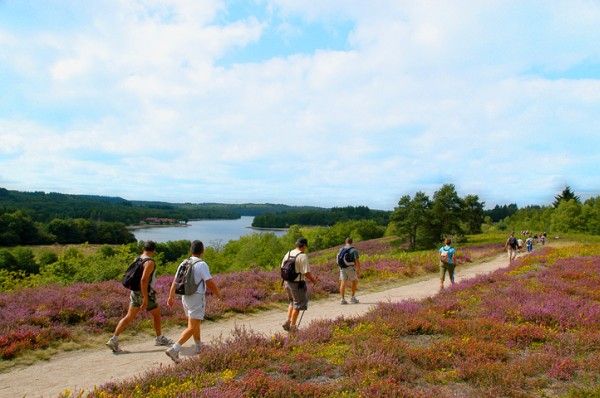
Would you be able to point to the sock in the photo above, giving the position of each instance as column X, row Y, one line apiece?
column 177, row 347
column 115, row 338
column 198, row 345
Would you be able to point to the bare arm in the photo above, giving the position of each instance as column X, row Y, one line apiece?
column 311, row 277
column 357, row 266
column 171, row 298
column 148, row 269
column 214, row 289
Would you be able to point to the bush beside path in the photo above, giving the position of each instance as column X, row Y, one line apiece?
column 88, row 368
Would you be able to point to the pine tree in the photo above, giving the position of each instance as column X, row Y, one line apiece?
column 565, row 195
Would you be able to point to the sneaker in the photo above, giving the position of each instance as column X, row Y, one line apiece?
column 354, row 300
column 198, row 349
column 286, row 326
column 113, row 344
column 162, row 340
column 173, row 354
column 344, row 302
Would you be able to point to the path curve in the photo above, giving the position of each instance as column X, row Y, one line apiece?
column 85, row 369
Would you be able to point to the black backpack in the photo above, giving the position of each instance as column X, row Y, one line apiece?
column 133, row 276
column 288, row 269
column 345, row 257
column 512, row 242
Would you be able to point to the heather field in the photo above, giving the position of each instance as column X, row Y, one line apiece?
column 527, row 330
column 35, row 319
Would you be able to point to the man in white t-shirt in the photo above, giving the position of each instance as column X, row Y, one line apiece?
column 193, row 304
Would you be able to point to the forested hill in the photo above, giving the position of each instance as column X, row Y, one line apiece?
column 44, row 207
column 322, row 217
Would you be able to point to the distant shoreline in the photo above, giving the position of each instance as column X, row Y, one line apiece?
column 146, row 226
column 267, row 228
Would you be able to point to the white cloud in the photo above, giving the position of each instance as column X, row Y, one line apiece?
column 428, row 93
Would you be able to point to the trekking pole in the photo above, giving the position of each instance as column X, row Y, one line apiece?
column 301, row 315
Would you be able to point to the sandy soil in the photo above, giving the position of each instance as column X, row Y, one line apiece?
column 88, row 368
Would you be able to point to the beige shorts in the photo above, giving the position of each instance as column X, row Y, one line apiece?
column 348, row 274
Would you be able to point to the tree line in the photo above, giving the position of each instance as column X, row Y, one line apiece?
column 18, row 228
column 567, row 214
column 44, row 207
column 320, row 217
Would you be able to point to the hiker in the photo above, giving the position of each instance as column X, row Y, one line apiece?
column 193, row 303
column 143, row 299
column 347, row 260
column 511, row 246
column 447, row 263
column 529, row 243
column 296, row 289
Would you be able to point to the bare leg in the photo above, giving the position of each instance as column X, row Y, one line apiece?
column 343, row 288
column 126, row 320
column 156, row 320
column 295, row 313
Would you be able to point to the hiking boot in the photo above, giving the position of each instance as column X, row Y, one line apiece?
column 113, row 344
column 293, row 329
column 162, row 340
column 198, row 348
column 354, row 300
column 173, row 354
column 286, row 326
column 344, row 302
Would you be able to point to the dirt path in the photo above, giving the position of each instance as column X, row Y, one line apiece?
column 87, row 368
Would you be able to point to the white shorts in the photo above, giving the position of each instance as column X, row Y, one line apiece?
column 194, row 305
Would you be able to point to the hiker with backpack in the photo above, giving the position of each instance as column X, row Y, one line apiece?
column 347, row 260
column 294, row 272
column 511, row 246
column 140, row 279
column 447, row 262
column 192, row 278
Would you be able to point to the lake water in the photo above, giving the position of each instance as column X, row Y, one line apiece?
column 211, row 232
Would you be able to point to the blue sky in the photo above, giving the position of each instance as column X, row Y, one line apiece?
column 300, row 102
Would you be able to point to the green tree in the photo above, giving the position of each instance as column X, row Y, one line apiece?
column 411, row 216
column 25, row 260
column 565, row 195
column 473, row 214
column 446, row 211
column 591, row 215
column 567, row 217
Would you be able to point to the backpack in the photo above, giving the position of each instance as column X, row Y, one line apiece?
column 512, row 242
column 288, row 268
column 345, row 258
column 133, row 276
column 184, row 279
column 444, row 256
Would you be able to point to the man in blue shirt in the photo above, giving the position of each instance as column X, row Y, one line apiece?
column 447, row 262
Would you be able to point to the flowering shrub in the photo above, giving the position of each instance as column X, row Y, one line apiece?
column 492, row 336
column 55, row 312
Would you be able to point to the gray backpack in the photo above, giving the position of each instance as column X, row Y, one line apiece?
column 184, row 279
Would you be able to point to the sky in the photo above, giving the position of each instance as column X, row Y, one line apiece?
column 326, row 103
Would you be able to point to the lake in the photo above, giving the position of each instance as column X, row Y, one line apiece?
column 211, row 232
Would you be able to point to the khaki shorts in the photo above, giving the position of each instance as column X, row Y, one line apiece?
column 348, row 274
column 297, row 294
column 135, row 300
